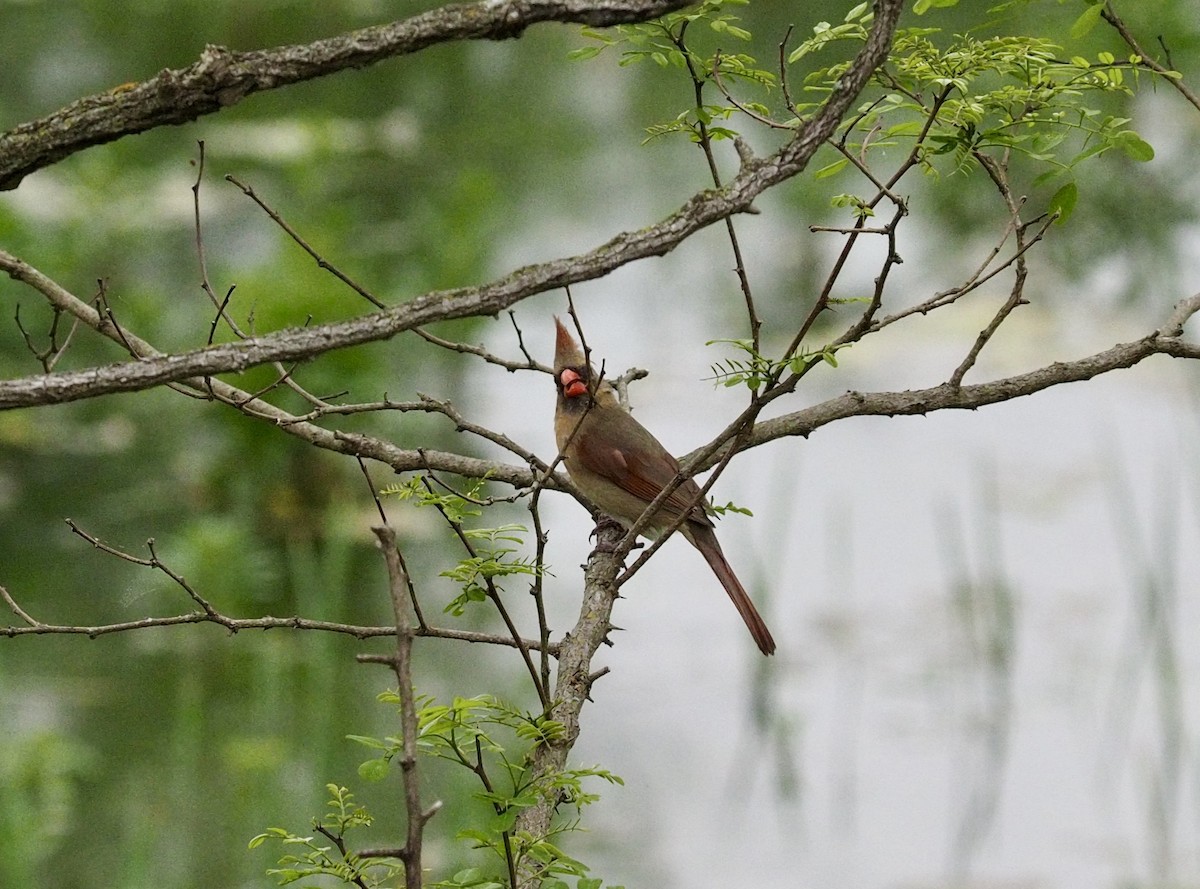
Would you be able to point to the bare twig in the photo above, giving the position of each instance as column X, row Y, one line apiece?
column 982, row 275
column 479, row 351
column 1165, row 341
column 512, row 316
column 207, row 613
column 19, row 611
column 202, row 259
column 49, row 356
column 541, row 538
column 415, row 604
column 1184, row 310
column 152, row 562
column 320, row 260
column 746, row 110
column 1110, row 15
column 861, row 165
column 997, row 171
column 461, row 424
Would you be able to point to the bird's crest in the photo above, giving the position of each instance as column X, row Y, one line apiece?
column 566, row 351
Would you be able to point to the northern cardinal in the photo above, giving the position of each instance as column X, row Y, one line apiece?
column 621, row 467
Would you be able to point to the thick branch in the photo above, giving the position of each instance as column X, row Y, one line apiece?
column 945, row 396
column 575, row 677
column 221, row 77
column 400, row 459
column 574, row 683
column 295, row 344
column 948, row 396
column 402, row 606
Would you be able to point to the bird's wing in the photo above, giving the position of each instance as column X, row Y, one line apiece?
column 622, row 450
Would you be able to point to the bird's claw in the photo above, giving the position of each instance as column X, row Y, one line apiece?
column 605, row 523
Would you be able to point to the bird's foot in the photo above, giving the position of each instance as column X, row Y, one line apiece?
column 606, row 524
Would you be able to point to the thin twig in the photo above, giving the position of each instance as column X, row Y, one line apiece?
column 479, row 351
column 512, row 316
column 1110, row 15
column 412, row 590
column 783, row 72
column 340, row 842
column 321, row 261
column 461, row 424
column 749, row 112
column 997, row 171
column 202, row 259
column 493, row 593
column 705, row 142
column 978, row 279
column 209, row 614
column 541, row 538
column 19, row 611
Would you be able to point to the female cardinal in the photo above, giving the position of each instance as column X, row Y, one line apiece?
column 621, row 467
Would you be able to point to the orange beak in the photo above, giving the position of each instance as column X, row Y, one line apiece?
column 572, row 383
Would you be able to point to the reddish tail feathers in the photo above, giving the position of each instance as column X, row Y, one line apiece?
column 706, row 541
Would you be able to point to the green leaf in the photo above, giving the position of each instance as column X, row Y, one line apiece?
column 923, row 6
column 585, row 52
column 468, row 877
column 1047, row 176
column 257, row 841
column 831, row 169
column 1087, row 21
column 374, row 769
column 721, row 510
column 367, row 741
column 1135, row 146
column 1063, row 202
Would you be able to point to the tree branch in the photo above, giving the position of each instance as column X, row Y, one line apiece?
column 222, row 77
column 948, row 396
column 398, row 583
column 209, row 614
column 1110, row 15
column 575, row 676
column 755, row 177
column 573, row 685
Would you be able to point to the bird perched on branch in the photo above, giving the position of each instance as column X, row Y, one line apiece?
column 621, row 467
